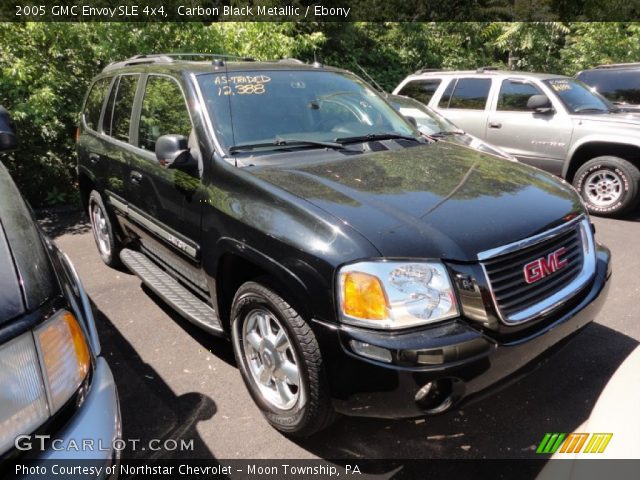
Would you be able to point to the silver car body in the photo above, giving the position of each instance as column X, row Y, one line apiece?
column 557, row 142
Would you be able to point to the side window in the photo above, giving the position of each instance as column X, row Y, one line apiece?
column 421, row 90
column 164, row 111
column 446, row 95
column 118, row 120
column 93, row 105
column 514, row 95
column 470, row 93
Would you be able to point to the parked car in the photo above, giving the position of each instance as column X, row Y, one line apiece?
column 618, row 82
column 549, row 121
column 434, row 125
column 54, row 382
column 356, row 266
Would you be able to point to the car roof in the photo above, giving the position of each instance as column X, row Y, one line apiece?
column 173, row 64
column 487, row 72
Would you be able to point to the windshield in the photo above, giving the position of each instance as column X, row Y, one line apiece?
column 270, row 107
column 429, row 122
column 578, row 97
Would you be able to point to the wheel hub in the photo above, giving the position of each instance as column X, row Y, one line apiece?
column 271, row 360
column 603, row 188
column 100, row 229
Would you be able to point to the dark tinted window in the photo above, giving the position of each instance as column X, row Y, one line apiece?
column 621, row 85
column 421, row 90
column 120, row 117
column 470, row 93
column 514, row 95
column 93, row 106
column 164, row 111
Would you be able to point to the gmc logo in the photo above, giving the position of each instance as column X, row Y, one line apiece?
column 543, row 267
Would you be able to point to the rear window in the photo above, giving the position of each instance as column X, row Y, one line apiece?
column 93, row 105
column 468, row 93
column 117, row 119
column 621, row 86
column 421, row 90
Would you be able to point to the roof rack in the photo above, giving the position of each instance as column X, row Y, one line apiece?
column 291, row 60
column 618, row 65
column 427, row 70
column 216, row 58
column 486, row 69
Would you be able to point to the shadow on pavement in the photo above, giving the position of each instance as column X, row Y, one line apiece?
column 150, row 409
column 557, row 397
column 218, row 346
column 59, row 222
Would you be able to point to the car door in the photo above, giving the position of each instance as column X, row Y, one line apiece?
column 162, row 199
column 116, row 149
column 464, row 101
column 539, row 139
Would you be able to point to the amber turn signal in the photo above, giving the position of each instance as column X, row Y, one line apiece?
column 363, row 296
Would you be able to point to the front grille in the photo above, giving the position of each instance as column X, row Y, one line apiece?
column 506, row 275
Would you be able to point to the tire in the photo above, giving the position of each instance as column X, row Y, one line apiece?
column 284, row 346
column 608, row 185
column 103, row 233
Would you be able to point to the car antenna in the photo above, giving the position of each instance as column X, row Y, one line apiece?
column 372, row 80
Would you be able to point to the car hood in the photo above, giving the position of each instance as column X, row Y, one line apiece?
column 626, row 119
column 439, row 200
column 27, row 278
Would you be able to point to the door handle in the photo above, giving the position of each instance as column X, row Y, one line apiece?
column 495, row 125
column 94, row 158
column 135, row 177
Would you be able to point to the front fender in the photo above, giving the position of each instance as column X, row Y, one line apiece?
column 612, row 139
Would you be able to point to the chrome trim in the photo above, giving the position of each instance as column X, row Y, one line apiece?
column 159, row 229
column 527, row 242
column 554, row 301
column 113, row 200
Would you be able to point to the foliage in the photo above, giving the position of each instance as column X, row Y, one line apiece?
column 45, row 68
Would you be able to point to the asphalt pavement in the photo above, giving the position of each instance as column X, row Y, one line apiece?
column 177, row 382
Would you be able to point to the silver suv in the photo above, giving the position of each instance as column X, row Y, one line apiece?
column 549, row 121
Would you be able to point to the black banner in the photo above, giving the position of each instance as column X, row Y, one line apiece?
column 317, row 11
column 431, row 469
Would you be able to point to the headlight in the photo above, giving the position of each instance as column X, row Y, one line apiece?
column 23, row 402
column 395, row 294
column 39, row 372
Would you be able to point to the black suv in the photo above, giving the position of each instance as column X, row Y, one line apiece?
column 618, row 82
column 356, row 265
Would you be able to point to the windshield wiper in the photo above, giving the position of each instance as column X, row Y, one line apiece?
column 286, row 142
column 590, row 110
column 446, row 133
column 375, row 136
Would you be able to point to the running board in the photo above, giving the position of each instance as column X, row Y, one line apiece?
column 165, row 286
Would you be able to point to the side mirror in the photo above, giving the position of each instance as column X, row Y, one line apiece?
column 540, row 104
column 8, row 138
column 411, row 120
column 170, row 147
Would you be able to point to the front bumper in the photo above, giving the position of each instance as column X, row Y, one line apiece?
column 459, row 361
column 92, row 434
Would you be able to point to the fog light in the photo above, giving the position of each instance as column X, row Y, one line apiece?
column 371, row 351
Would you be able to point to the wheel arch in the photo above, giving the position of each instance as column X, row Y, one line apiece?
column 587, row 150
column 238, row 263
